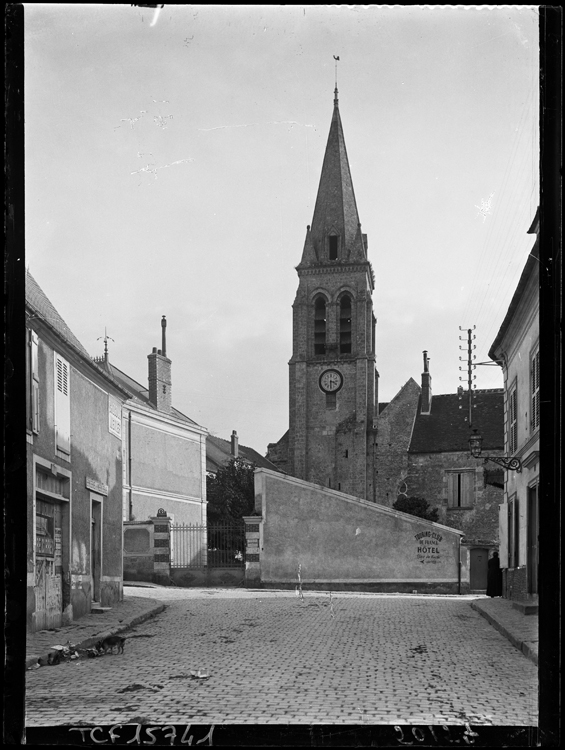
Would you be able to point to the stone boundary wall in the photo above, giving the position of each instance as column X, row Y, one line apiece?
column 337, row 541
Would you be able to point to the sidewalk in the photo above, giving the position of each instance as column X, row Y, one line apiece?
column 520, row 629
column 88, row 630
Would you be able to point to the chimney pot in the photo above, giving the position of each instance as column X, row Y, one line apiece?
column 234, row 444
column 426, row 387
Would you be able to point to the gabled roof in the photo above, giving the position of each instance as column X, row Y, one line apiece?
column 335, row 212
column 445, row 429
column 531, row 265
column 140, row 394
column 40, row 307
column 218, row 455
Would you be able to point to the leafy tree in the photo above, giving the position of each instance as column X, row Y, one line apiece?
column 231, row 493
column 416, row 506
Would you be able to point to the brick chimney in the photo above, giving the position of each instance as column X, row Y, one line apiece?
column 234, row 444
column 160, row 375
column 426, row 387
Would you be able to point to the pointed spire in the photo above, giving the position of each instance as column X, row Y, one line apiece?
column 335, row 212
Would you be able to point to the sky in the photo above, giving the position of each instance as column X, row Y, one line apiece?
column 172, row 165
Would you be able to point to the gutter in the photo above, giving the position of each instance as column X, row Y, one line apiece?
column 459, row 570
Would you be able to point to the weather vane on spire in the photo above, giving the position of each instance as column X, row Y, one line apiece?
column 106, row 339
column 336, row 58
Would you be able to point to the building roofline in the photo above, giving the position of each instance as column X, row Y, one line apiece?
column 83, row 355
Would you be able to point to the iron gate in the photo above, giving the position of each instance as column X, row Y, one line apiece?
column 213, row 546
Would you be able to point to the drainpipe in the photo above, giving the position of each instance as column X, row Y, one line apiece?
column 129, row 467
column 459, row 570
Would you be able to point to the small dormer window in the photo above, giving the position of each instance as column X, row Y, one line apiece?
column 333, row 246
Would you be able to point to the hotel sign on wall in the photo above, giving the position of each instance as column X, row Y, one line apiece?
column 114, row 417
column 427, row 548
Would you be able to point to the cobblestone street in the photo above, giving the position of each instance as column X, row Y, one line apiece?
column 235, row 657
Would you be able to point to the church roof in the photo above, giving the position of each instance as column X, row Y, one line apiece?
column 445, row 430
column 335, row 212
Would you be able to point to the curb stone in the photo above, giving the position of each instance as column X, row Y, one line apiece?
column 93, row 640
column 526, row 647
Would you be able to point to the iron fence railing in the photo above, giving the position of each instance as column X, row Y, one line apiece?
column 214, row 546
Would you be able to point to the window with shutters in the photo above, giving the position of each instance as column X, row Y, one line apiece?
column 32, row 388
column 34, row 382
column 62, row 406
column 534, row 389
column 513, row 532
column 460, row 489
column 513, row 420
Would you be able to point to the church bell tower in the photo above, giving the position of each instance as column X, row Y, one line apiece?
column 333, row 378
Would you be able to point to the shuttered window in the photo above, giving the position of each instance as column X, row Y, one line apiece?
column 34, row 382
column 62, row 405
column 534, row 383
column 513, row 420
column 460, row 489
column 513, row 533
column 503, row 534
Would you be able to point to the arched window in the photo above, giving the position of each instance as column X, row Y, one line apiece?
column 320, row 326
column 345, row 325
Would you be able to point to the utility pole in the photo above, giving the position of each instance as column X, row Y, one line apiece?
column 471, row 365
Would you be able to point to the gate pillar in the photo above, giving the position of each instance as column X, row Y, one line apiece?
column 253, row 547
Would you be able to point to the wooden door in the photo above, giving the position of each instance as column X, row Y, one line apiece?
column 533, row 530
column 96, row 549
column 48, row 569
column 479, row 568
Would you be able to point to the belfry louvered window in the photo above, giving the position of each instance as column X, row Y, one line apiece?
column 320, row 326
column 62, row 405
column 513, row 420
column 534, row 384
column 345, row 325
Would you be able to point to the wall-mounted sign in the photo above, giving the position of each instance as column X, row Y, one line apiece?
column 428, row 549
column 99, row 487
column 114, row 417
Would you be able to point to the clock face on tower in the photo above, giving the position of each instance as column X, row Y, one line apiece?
column 331, row 381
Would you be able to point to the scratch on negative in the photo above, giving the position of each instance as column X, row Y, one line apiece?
column 254, row 124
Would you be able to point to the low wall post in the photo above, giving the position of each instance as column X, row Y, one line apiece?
column 253, row 537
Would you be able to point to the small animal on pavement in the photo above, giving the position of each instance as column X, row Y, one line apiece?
column 110, row 643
